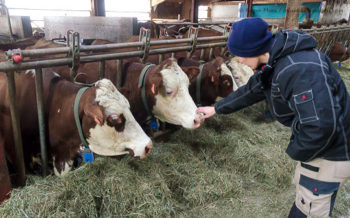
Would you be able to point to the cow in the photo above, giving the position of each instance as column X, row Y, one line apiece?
column 241, row 72
column 104, row 114
column 167, row 73
column 339, row 52
column 173, row 31
column 208, row 80
column 166, row 91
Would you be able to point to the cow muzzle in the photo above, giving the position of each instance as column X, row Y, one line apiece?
column 144, row 154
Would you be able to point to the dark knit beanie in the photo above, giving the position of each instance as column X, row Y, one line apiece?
column 249, row 38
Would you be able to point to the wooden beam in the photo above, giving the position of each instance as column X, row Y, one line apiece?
column 291, row 20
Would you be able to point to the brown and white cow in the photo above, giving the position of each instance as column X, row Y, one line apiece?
column 241, row 72
column 166, row 88
column 339, row 52
column 104, row 113
column 215, row 79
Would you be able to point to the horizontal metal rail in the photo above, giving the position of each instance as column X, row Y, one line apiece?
column 199, row 23
column 104, row 47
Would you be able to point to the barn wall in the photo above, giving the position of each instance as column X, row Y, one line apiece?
column 21, row 26
column 335, row 11
column 116, row 29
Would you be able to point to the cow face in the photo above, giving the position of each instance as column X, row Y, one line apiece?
column 241, row 72
column 216, row 79
column 117, row 131
column 173, row 101
column 227, row 83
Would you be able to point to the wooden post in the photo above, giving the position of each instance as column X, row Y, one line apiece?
column 250, row 5
column 192, row 10
column 151, row 10
column 98, row 8
column 291, row 20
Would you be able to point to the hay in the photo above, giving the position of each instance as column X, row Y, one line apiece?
column 234, row 166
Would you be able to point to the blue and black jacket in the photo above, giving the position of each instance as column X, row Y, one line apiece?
column 304, row 92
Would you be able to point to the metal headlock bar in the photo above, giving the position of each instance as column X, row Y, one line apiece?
column 75, row 51
column 193, row 34
column 227, row 32
column 145, row 38
column 327, row 36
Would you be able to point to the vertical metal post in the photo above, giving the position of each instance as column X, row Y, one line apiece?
column 119, row 73
column 201, row 57
column 41, row 117
column 19, row 161
column 211, row 53
column 101, row 69
column 160, row 58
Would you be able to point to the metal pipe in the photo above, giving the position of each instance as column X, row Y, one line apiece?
column 41, row 117
column 89, row 48
column 160, row 58
column 110, row 46
column 199, row 23
column 7, row 66
column 16, row 129
column 170, row 41
column 201, row 57
column 119, row 73
column 211, row 53
column 101, row 69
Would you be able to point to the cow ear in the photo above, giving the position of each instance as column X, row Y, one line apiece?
column 191, row 72
column 95, row 112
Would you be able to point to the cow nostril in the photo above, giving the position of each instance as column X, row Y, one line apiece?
column 131, row 152
column 148, row 148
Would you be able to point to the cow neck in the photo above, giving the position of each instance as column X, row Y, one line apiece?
column 76, row 116
column 142, row 85
column 198, row 84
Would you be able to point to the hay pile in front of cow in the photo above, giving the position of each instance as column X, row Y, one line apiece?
column 233, row 166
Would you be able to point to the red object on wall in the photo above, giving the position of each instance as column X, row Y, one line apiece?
column 5, row 187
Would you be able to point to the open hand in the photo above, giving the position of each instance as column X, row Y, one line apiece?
column 207, row 111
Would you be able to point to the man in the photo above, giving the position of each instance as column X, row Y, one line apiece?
column 304, row 92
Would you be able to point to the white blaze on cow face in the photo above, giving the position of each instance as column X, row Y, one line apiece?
column 226, row 71
column 106, row 140
column 240, row 72
column 174, row 104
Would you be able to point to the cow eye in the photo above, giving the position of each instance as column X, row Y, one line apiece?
column 169, row 91
column 117, row 121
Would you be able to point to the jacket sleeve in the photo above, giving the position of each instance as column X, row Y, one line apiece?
column 311, row 97
column 243, row 97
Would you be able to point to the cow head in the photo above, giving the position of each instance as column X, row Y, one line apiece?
column 173, row 101
column 116, row 131
column 216, row 79
column 241, row 72
column 339, row 52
